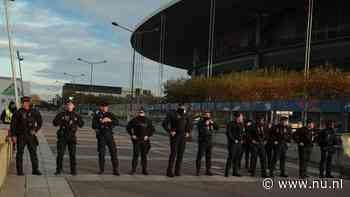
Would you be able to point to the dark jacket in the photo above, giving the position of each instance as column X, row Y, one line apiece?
column 68, row 123
column 281, row 134
column 181, row 124
column 305, row 136
column 104, row 128
column 327, row 138
column 234, row 132
column 259, row 133
column 247, row 134
column 141, row 127
column 23, row 122
column 205, row 132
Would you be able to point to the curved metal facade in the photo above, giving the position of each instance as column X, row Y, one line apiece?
column 248, row 34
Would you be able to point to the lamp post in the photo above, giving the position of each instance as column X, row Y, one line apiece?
column 133, row 55
column 20, row 59
column 10, row 44
column 92, row 64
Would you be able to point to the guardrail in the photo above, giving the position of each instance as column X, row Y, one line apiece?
column 5, row 155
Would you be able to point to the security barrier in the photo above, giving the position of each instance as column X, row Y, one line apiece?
column 5, row 155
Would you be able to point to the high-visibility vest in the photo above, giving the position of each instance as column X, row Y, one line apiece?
column 8, row 115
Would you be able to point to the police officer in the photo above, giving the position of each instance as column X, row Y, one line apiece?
column 140, row 130
column 247, row 144
column 178, row 124
column 268, row 145
column 206, row 126
column 258, row 139
column 234, row 135
column 26, row 122
column 103, row 123
column 327, row 141
column 68, row 122
column 8, row 112
column 304, row 137
column 280, row 137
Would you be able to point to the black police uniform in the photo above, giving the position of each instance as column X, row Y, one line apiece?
column 104, row 135
column 205, row 143
column 140, row 127
column 268, row 147
column 22, row 124
column 246, row 147
column 279, row 137
column 180, row 123
column 234, row 135
column 258, row 137
column 327, row 141
column 68, row 123
column 304, row 137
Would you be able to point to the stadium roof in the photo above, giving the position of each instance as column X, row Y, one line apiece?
column 187, row 26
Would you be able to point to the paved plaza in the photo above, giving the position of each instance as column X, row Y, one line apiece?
column 88, row 183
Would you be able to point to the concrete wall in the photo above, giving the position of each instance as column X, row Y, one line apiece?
column 5, row 155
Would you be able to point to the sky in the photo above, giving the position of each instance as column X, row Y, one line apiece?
column 51, row 35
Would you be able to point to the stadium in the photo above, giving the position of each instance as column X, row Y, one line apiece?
column 247, row 34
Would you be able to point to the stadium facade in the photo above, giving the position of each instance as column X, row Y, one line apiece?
column 248, row 34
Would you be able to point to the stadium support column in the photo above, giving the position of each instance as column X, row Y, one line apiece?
column 211, row 38
column 257, row 59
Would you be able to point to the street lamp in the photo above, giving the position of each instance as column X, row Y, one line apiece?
column 133, row 55
column 20, row 59
column 73, row 76
column 92, row 69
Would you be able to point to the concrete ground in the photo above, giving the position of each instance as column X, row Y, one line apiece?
column 87, row 183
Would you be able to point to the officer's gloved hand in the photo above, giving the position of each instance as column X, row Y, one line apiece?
column 301, row 144
column 134, row 137
column 172, row 133
column 187, row 135
column 276, row 142
column 254, row 142
column 146, row 138
column 32, row 132
column 14, row 139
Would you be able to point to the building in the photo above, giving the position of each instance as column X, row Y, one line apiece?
column 7, row 90
column 70, row 88
column 248, row 34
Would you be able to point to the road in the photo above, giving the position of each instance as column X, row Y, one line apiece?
column 88, row 184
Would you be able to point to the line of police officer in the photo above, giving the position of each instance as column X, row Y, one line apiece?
column 260, row 140
column 270, row 144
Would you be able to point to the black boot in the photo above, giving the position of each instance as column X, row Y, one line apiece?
column 144, row 172
column 37, row 172
column 169, row 174
column 209, row 173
